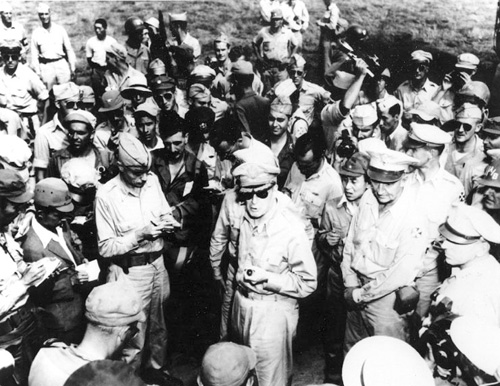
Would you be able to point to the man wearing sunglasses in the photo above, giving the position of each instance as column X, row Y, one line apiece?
column 312, row 98
column 418, row 88
column 53, row 136
column 275, row 268
column 112, row 312
column 167, row 96
column 467, row 146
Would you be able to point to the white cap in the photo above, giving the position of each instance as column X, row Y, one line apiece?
column 364, row 115
column 428, row 135
column 389, row 165
column 43, row 8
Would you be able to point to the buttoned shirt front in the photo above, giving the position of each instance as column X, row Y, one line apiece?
column 51, row 44
column 278, row 244
column 15, row 32
column 311, row 194
column 49, row 138
column 138, row 58
column 456, row 160
column 121, row 210
column 411, row 97
column 383, row 250
column 22, row 90
column 275, row 46
column 312, row 97
column 13, row 293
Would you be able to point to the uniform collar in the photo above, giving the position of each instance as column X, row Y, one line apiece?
column 43, row 233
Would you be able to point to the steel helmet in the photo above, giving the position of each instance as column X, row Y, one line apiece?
column 355, row 34
column 133, row 24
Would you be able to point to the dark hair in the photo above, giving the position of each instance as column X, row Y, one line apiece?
column 101, row 21
column 244, row 80
column 171, row 123
column 310, row 141
column 235, row 53
column 225, row 129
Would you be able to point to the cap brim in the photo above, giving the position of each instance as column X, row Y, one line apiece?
column 65, row 208
column 491, row 131
column 22, row 198
column 129, row 92
column 112, row 108
column 485, row 182
column 466, row 66
column 450, row 236
column 384, row 176
column 410, row 143
column 350, row 173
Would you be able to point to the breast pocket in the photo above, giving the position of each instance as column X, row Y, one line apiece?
column 313, row 204
column 275, row 262
column 125, row 227
column 384, row 250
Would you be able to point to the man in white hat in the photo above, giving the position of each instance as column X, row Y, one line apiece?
column 453, row 82
column 178, row 28
column 436, row 192
column 53, row 136
column 383, row 252
column 52, row 56
column 132, row 216
column 275, row 268
column 418, row 88
column 467, row 146
column 13, row 30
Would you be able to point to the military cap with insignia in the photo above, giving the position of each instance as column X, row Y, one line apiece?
column 466, row 225
column 389, row 165
column 162, row 82
column 111, row 100
column 422, row 135
column 252, row 175
column 355, row 166
column 491, row 176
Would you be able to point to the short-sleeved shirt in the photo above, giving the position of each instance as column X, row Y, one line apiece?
column 49, row 138
column 275, row 46
column 22, row 90
column 95, row 49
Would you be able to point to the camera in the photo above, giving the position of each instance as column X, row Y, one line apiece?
column 346, row 147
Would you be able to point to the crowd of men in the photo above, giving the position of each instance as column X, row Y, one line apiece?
column 172, row 196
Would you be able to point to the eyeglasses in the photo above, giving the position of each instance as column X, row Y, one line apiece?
column 296, row 72
column 421, row 67
column 245, row 196
column 72, row 104
column 6, row 57
column 456, row 125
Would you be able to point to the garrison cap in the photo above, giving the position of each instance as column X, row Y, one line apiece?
column 81, row 116
column 157, row 67
column 427, row 110
column 13, row 187
column 255, row 174
column 104, row 372
column 53, row 193
column 492, row 125
column 111, row 100
column 203, row 71
column 178, row 17
column 389, row 165
column 479, row 341
column 87, row 94
column 114, row 304
column 476, row 89
column 466, row 225
column 137, row 84
column 282, row 105
column 242, row 67
column 285, row 88
column 468, row 111
column 66, row 92
column 426, row 135
column 198, row 91
column 162, row 82
column 147, row 108
column 222, row 38
column 421, row 56
column 364, row 115
column 355, row 166
column 298, row 61
column 117, row 50
column 226, row 364
column 386, row 104
column 468, row 61
column 394, row 361
column 11, row 46
column 132, row 153
column 491, row 176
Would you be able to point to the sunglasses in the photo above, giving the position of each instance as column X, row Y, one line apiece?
column 296, row 72
column 11, row 56
column 420, row 67
column 456, row 125
column 259, row 193
column 71, row 105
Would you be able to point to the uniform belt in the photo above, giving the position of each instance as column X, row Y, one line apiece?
column 14, row 320
column 140, row 259
column 270, row 298
column 45, row 61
